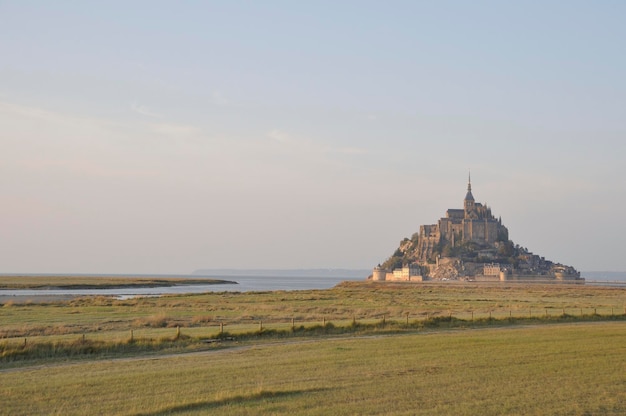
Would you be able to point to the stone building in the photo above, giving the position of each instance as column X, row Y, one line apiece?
column 406, row 273
column 474, row 223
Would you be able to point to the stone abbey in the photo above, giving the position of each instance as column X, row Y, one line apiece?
column 474, row 223
column 468, row 244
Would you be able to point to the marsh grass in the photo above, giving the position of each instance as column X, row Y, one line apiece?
column 369, row 306
column 162, row 339
column 82, row 347
column 352, row 307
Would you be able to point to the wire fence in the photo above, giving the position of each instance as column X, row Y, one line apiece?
column 219, row 329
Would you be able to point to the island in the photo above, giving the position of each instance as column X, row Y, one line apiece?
column 469, row 244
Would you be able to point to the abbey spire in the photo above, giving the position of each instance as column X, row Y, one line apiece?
column 469, row 188
column 468, row 203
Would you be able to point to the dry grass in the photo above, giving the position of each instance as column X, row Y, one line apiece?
column 365, row 303
column 201, row 320
column 366, row 300
column 155, row 321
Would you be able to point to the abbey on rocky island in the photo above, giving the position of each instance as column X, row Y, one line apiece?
column 472, row 224
column 468, row 244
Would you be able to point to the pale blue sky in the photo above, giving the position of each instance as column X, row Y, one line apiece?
column 163, row 137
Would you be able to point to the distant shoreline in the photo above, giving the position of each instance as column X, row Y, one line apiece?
column 319, row 272
column 64, row 282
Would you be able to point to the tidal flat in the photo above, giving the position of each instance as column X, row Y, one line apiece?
column 90, row 282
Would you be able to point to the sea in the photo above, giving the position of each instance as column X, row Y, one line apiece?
column 250, row 283
column 245, row 283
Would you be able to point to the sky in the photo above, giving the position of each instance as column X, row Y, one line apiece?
column 164, row 137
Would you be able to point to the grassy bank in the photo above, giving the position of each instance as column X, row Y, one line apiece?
column 105, row 327
column 92, row 282
column 361, row 301
column 567, row 369
column 136, row 342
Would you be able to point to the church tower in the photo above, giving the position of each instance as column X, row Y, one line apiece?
column 468, row 203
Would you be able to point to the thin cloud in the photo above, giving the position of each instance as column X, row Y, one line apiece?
column 32, row 112
column 346, row 150
column 279, row 136
column 143, row 110
column 218, row 99
column 174, row 130
column 72, row 121
column 303, row 145
column 82, row 167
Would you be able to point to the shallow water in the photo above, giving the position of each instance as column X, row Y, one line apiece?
column 251, row 284
column 605, row 276
column 244, row 284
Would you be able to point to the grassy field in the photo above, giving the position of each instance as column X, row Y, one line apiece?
column 565, row 369
column 364, row 302
column 359, row 348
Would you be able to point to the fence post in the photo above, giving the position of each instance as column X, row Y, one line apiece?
column 353, row 320
column 472, row 316
column 83, row 338
column 324, row 321
column 546, row 311
column 177, row 331
column 293, row 324
column 131, row 335
column 221, row 327
column 260, row 326
column 383, row 320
